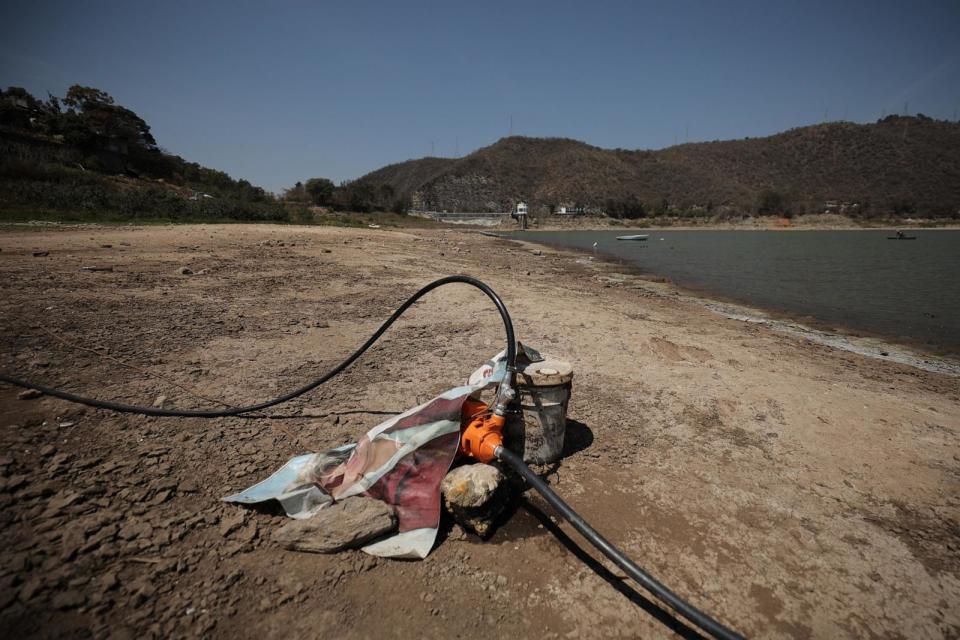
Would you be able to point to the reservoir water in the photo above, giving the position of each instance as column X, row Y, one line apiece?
column 849, row 280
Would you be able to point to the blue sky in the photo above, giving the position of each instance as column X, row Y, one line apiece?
column 276, row 92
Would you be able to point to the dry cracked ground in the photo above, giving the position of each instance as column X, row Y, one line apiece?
column 789, row 489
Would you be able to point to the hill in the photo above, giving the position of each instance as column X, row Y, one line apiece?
column 897, row 166
column 85, row 157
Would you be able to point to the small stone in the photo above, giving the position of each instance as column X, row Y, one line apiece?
column 142, row 591
column 185, row 271
column 232, row 522
column 109, row 581
column 68, row 599
column 344, row 525
column 13, row 482
column 31, row 588
column 29, row 394
column 136, row 530
column 159, row 402
column 159, row 498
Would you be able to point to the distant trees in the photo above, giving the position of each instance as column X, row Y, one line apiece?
column 777, row 202
column 356, row 196
column 629, row 208
column 319, row 190
column 53, row 155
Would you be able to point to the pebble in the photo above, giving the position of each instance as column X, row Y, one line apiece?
column 68, row 599
column 232, row 521
column 29, row 394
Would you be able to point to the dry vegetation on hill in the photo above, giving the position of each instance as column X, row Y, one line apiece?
column 900, row 166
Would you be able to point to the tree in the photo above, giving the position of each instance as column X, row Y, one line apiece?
column 770, row 202
column 81, row 98
column 319, row 190
column 296, row 193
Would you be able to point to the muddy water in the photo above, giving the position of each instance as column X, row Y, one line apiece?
column 851, row 280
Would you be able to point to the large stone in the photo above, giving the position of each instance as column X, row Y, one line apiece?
column 475, row 494
column 344, row 525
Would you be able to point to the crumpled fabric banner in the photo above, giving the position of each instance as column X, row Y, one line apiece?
column 401, row 461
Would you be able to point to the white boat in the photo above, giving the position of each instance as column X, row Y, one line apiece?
column 637, row 237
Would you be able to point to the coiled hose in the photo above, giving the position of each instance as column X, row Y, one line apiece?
column 648, row 582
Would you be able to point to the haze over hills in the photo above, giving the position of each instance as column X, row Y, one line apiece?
column 901, row 165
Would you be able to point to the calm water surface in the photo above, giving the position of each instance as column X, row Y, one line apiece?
column 907, row 289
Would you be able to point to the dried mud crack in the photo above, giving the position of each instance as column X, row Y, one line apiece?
column 786, row 488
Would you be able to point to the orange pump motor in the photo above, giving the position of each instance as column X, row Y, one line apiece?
column 481, row 431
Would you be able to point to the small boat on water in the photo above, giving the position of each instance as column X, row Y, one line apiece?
column 637, row 237
column 901, row 236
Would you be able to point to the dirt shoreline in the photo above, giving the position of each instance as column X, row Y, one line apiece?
column 789, row 488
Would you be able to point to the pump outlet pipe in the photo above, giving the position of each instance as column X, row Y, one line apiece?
column 644, row 579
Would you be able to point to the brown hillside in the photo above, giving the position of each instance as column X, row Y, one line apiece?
column 900, row 165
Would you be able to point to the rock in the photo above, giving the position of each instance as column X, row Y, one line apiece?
column 109, row 581
column 31, row 588
column 159, row 402
column 475, row 494
column 13, row 483
column 142, row 591
column 232, row 522
column 159, row 498
column 344, row 525
column 185, row 271
column 135, row 529
column 29, row 394
column 68, row 599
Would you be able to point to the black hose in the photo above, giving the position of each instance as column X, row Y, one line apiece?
column 647, row 581
column 650, row 583
column 236, row 411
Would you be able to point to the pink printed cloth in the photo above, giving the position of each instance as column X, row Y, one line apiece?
column 401, row 461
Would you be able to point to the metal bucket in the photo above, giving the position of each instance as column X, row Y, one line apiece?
column 536, row 427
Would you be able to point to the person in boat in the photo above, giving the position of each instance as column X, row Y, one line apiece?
column 900, row 234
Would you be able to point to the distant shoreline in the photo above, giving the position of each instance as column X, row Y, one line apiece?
column 855, row 340
column 810, row 222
